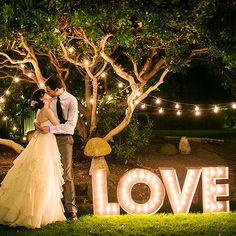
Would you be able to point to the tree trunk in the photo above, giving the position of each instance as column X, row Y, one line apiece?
column 7, row 142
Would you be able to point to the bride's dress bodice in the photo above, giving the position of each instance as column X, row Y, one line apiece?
column 45, row 123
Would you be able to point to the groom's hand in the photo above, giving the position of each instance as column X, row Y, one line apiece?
column 44, row 130
column 38, row 126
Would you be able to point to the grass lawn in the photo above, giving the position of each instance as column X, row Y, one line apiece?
column 158, row 224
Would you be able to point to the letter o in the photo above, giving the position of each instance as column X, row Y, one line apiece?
column 135, row 176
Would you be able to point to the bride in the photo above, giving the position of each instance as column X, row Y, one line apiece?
column 31, row 192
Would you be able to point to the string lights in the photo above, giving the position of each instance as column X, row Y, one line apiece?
column 155, row 103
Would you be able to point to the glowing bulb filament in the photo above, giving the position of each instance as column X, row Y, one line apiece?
column 216, row 109
column 177, row 106
column 120, row 85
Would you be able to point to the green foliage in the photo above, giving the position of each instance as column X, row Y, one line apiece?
column 175, row 27
column 131, row 139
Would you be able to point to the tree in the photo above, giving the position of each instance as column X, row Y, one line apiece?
column 96, row 44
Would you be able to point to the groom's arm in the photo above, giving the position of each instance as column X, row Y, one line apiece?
column 69, row 126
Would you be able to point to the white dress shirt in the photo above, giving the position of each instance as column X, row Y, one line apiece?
column 69, row 106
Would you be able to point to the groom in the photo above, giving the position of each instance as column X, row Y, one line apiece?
column 65, row 108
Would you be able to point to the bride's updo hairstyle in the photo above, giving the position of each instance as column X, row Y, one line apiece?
column 37, row 99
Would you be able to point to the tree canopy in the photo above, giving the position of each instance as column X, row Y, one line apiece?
column 95, row 46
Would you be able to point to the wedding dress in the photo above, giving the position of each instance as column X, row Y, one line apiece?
column 31, row 191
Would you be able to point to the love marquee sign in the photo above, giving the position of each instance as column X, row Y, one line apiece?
column 180, row 200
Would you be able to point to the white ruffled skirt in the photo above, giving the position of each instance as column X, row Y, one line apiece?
column 31, row 191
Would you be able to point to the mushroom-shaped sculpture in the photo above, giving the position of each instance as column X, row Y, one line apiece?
column 97, row 148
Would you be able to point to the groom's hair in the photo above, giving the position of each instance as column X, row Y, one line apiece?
column 54, row 83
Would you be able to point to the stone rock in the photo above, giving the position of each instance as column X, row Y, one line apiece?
column 184, row 146
column 168, row 149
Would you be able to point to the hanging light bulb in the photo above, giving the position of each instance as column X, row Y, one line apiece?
column 143, row 106
column 71, row 49
column 16, row 79
column 109, row 97
column 2, row 100
column 7, row 92
column 197, row 108
column 24, row 138
column 22, row 66
column 91, row 100
column 216, row 109
column 14, row 128
column 197, row 113
column 178, row 113
column 4, row 118
column 30, row 74
column 103, row 75
column 86, row 62
column 138, row 93
column 41, row 85
column 177, row 106
column 158, row 101
column 161, row 110
column 120, row 85
column 234, row 105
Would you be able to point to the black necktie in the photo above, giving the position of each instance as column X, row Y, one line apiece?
column 59, row 112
